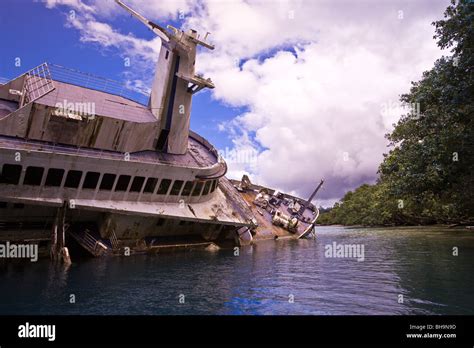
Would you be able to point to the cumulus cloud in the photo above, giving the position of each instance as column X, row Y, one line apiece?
column 326, row 90
column 319, row 80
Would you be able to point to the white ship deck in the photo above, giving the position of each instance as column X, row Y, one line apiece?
column 106, row 104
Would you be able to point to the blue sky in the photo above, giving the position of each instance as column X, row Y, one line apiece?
column 308, row 88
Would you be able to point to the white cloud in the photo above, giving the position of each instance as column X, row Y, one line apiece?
column 74, row 4
column 318, row 112
column 315, row 77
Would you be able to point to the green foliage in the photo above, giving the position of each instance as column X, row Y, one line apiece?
column 367, row 205
column 427, row 177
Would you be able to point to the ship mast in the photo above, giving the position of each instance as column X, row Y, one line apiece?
column 174, row 83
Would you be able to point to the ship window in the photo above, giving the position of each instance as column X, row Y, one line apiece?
column 107, row 182
column 3, row 205
column 214, row 185
column 167, row 54
column 150, row 185
column 91, row 180
column 18, row 206
column 207, row 187
column 176, row 187
column 197, row 188
column 122, row 183
column 137, row 184
column 160, row 222
column 164, row 186
column 10, row 174
column 33, row 176
column 54, row 177
column 187, row 188
column 73, row 179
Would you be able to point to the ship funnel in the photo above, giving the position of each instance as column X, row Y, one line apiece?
column 174, row 83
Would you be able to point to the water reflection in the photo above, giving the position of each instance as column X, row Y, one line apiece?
column 271, row 277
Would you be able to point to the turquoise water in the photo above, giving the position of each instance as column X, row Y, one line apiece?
column 271, row 277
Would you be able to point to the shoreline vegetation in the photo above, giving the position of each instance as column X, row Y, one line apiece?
column 446, row 226
column 427, row 177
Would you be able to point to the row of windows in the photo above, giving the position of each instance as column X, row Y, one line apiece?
column 4, row 205
column 33, row 176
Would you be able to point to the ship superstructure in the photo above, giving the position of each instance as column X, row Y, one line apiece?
column 80, row 157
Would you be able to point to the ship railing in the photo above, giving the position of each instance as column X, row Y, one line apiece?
column 93, row 153
column 92, row 244
column 90, row 241
column 90, row 81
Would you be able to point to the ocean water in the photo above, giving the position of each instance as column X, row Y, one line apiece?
column 402, row 271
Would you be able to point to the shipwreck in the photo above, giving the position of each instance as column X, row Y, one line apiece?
column 85, row 162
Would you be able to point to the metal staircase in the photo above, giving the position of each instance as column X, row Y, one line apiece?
column 90, row 243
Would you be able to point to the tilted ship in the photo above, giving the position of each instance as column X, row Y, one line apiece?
column 83, row 160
